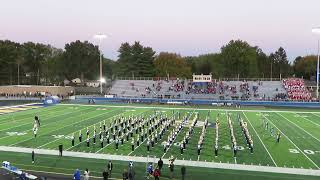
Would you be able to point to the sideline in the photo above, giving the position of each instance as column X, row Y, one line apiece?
column 242, row 167
column 188, row 108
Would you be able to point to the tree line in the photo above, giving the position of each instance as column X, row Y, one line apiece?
column 44, row 64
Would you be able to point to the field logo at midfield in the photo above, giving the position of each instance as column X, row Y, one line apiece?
column 16, row 133
column 201, row 124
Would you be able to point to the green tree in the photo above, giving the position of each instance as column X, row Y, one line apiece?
column 172, row 64
column 135, row 60
column 35, row 55
column 80, row 60
column 10, row 58
column 281, row 64
column 238, row 57
column 263, row 63
column 305, row 66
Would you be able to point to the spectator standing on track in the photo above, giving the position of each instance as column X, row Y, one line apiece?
column 86, row 174
column 156, row 174
column 32, row 156
column 171, row 167
column 105, row 174
column 131, row 174
column 125, row 174
column 160, row 164
column 60, row 149
column 72, row 140
column 77, row 175
column 110, row 167
column 183, row 172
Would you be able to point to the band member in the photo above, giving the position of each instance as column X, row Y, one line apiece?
column 88, row 131
column 137, row 141
column 278, row 137
column 117, row 144
column 216, row 150
column 108, row 139
column 235, row 151
column 88, row 141
column 37, row 121
column 94, row 137
column 101, row 141
column 148, row 145
column 132, row 144
column 122, row 140
column 35, row 132
column 80, row 136
column 72, row 140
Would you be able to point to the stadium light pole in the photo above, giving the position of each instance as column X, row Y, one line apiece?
column 100, row 37
column 316, row 30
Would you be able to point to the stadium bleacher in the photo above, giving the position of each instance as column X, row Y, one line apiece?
column 186, row 89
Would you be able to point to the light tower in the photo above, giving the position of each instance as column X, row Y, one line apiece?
column 100, row 37
column 316, row 30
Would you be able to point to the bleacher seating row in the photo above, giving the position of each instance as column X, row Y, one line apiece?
column 186, row 89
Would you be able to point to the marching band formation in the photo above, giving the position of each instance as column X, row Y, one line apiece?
column 150, row 130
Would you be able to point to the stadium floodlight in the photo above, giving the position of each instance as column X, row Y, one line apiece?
column 100, row 37
column 316, row 30
column 102, row 80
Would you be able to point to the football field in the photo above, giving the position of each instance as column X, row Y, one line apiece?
column 299, row 145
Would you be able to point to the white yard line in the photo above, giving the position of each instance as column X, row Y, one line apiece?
column 98, row 123
column 293, row 143
column 42, row 125
column 309, row 120
column 16, row 106
column 71, row 125
column 176, row 136
column 10, row 117
column 112, row 142
column 181, row 108
column 141, row 143
column 32, row 121
column 64, row 174
column 316, row 114
column 309, row 172
column 260, row 140
column 299, row 127
column 51, row 131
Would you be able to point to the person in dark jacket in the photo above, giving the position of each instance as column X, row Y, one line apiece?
column 125, row 175
column 105, row 174
column 32, row 156
column 160, row 164
column 183, row 172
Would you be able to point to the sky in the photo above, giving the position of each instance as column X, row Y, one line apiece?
column 187, row 27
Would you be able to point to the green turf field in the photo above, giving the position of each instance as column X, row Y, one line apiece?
column 299, row 145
